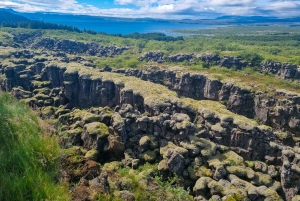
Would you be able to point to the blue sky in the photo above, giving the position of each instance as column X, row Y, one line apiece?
column 168, row 9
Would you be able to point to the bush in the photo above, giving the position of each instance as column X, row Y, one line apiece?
column 254, row 58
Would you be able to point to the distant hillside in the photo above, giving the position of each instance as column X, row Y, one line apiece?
column 10, row 17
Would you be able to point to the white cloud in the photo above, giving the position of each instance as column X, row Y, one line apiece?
column 162, row 8
column 231, row 3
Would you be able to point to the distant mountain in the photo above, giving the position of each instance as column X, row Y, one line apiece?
column 256, row 19
column 6, row 16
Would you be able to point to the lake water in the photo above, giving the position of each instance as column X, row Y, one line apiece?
column 117, row 25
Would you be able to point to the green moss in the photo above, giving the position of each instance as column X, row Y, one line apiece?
column 76, row 131
column 41, row 97
column 83, row 115
column 61, row 111
column 234, row 197
column 150, row 140
column 92, row 154
column 218, row 128
column 112, row 166
column 241, row 171
column 227, row 158
column 48, row 111
column 149, row 156
column 40, row 84
column 250, row 164
column 171, row 145
column 202, row 171
column 44, row 91
column 262, row 179
column 208, row 148
column 97, row 128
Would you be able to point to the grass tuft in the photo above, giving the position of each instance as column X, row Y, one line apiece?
column 29, row 157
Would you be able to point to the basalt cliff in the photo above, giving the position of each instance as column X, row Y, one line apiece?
column 221, row 141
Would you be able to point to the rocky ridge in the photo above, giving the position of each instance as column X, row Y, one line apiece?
column 36, row 41
column 281, row 70
column 107, row 116
column 279, row 110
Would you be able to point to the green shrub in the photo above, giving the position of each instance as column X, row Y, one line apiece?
column 254, row 58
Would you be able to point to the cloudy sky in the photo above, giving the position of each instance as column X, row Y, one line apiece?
column 195, row 9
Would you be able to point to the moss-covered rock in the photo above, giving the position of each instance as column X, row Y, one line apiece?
column 124, row 183
column 261, row 179
column 61, row 111
column 241, row 171
column 201, row 186
column 92, row 154
column 48, row 112
column 218, row 128
column 202, row 171
column 97, row 128
column 148, row 141
column 269, row 194
column 227, row 158
column 149, row 156
column 162, row 166
column 207, row 147
column 192, row 148
column 170, row 145
column 41, row 97
column 85, row 116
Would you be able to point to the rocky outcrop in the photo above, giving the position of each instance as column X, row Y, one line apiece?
column 279, row 110
column 67, row 46
column 281, row 70
column 27, row 39
column 214, row 152
column 74, row 47
column 208, row 59
column 24, row 54
column 153, row 56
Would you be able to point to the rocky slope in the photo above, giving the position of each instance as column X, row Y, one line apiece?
column 103, row 117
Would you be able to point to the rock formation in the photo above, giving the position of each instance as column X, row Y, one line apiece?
column 35, row 41
column 278, row 110
column 281, row 70
column 115, row 116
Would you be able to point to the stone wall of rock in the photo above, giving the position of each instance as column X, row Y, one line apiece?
column 82, row 91
column 208, row 59
column 280, row 110
column 282, row 70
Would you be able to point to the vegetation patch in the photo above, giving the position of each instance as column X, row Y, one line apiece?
column 29, row 155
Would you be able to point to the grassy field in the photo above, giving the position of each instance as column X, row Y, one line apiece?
column 29, row 155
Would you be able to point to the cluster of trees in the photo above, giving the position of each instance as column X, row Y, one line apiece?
column 33, row 24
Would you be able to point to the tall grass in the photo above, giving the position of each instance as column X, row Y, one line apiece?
column 28, row 156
